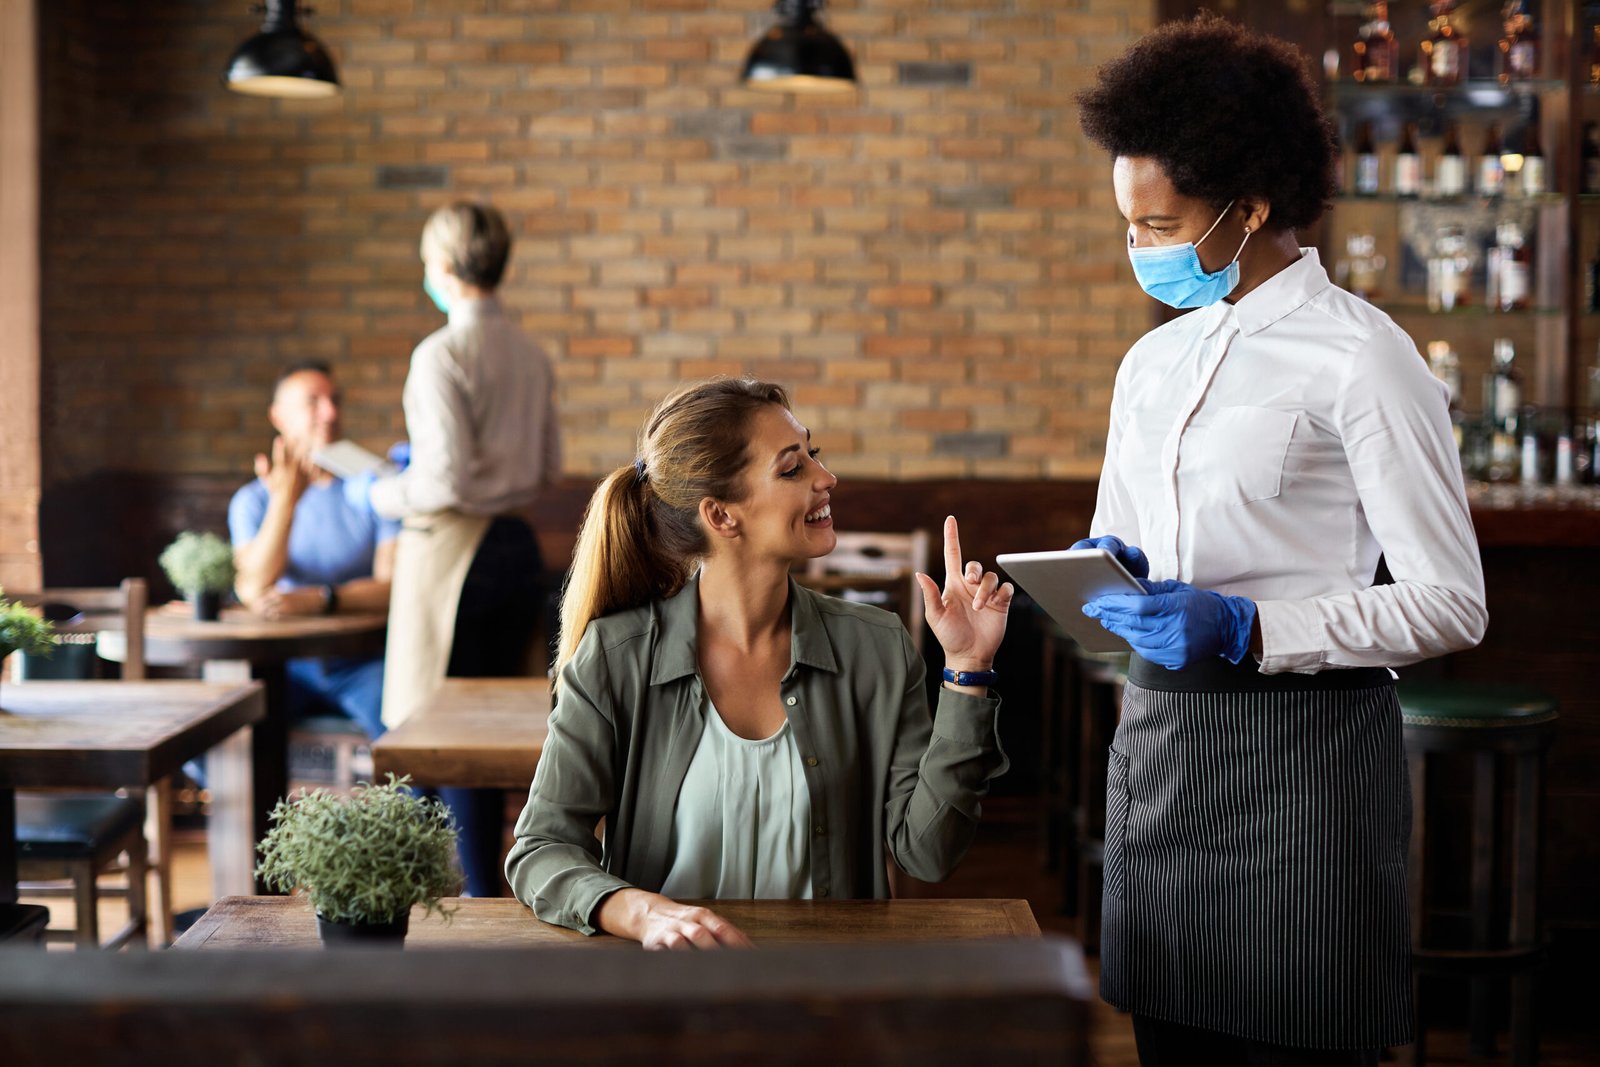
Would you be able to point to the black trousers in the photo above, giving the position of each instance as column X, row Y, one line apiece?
column 502, row 601
column 1164, row 1044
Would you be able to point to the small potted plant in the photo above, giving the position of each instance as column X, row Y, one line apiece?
column 363, row 859
column 201, row 565
column 21, row 630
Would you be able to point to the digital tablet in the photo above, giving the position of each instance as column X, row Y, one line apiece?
column 1062, row 582
column 346, row 459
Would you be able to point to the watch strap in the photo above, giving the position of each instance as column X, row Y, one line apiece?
column 975, row 678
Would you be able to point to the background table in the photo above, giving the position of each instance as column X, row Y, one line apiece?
column 499, row 922
column 234, row 648
column 106, row 736
column 483, row 733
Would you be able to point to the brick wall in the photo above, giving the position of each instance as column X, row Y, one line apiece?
column 934, row 263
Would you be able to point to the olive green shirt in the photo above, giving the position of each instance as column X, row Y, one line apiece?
column 883, row 779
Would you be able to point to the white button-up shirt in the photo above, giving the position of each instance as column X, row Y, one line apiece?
column 1274, row 448
column 480, row 412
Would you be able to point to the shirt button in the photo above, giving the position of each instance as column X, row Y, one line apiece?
column 811, row 761
column 791, row 702
column 822, row 890
column 821, row 830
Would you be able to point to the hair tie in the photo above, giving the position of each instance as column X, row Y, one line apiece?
column 638, row 471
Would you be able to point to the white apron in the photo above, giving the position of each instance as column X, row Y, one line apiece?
column 432, row 557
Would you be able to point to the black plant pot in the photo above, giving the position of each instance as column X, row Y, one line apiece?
column 344, row 935
column 207, row 606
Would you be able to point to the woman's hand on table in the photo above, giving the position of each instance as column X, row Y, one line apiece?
column 659, row 922
column 968, row 616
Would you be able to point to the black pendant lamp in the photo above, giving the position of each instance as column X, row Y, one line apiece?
column 799, row 55
column 282, row 59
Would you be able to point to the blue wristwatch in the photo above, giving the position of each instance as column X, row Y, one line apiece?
column 955, row 677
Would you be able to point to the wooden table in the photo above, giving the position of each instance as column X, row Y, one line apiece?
column 500, row 922
column 483, row 733
column 236, row 647
column 105, row 736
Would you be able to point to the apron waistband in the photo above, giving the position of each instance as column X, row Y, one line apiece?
column 1217, row 675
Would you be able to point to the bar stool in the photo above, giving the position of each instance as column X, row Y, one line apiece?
column 1487, row 722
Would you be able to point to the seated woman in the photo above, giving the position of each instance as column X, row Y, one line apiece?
column 742, row 736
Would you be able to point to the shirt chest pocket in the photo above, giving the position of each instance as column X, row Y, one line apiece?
column 1241, row 455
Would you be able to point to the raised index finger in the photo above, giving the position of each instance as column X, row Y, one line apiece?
column 952, row 552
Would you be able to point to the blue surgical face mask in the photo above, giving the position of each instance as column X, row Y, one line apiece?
column 440, row 301
column 1173, row 273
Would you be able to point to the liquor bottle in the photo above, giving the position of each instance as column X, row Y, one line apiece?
column 1491, row 170
column 1366, row 183
column 1443, row 51
column 1450, row 270
column 1594, row 56
column 1450, row 174
column 1363, row 267
column 1518, row 55
column 1408, row 164
column 1502, row 408
column 1446, row 367
column 1591, row 157
column 1534, row 178
column 1515, row 267
column 1376, row 59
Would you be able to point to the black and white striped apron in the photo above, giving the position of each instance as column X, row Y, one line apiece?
column 1255, row 855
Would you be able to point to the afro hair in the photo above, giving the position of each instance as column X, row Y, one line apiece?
column 1226, row 111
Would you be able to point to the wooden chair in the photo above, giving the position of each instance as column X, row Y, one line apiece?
column 876, row 568
column 66, row 837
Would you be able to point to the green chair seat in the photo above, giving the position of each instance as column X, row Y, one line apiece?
column 1473, row 705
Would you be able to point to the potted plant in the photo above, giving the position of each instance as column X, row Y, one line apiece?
column 201, row 565
column 21, row 630
column 363, row 859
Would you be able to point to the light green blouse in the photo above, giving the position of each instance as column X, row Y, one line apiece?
column 884, row 782
column 742, row 827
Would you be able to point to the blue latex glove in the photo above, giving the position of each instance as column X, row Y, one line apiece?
column 358, row 491
column 1130, row 556
column 1177, row 625
column 400, row 455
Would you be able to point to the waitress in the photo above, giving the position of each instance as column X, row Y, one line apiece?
column 480, row 416
column 1264, row 452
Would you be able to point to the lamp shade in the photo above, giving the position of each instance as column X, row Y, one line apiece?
column 282, row 59
column 799, row 55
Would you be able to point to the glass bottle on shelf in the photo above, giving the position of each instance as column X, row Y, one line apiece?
column 1375, row 56
column 1443, row 51
column 1591, row 157
column 1362, row 268
column 1408, row 164
column 1594, row 56
column 1512, row 268
column 1491, row 170
column 1446, row 366
column 1366, row 177
column 1503, row 406
column 1518, row 55
column 1533, row 179
column 1450, row 270
column 1450, row 173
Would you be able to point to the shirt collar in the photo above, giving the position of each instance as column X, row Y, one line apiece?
column 465, row 311
column 678, row 618
column 1286, row 291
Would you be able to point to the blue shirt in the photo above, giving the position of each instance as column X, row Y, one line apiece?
column 330, row 542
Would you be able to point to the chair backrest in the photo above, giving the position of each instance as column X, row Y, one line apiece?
column 879, row 563
column 101, row 609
